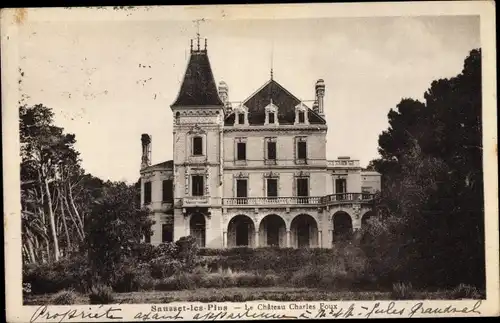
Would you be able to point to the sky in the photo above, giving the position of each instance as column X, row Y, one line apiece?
column 111, row 80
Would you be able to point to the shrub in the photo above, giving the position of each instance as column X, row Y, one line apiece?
column 168, row 249
column 464, row 291
column 270, row 280
column 133, row 278
column 177, row 282
column 402, row 291
column 64, row 297
column 308, row 276
column 68, row 273
column 101, row 294
column 165, row 267
column 187, row 250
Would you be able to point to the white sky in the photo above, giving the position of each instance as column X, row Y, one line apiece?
column 89, row 74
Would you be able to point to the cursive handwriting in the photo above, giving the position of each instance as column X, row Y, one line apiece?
column 157, row 316
column 389, row 310
column 335, row 312
column 43, row 313
column 248, row 313
column 419, row 308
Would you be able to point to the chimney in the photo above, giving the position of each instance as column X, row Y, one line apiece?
column 224, row 95
column 320, row 94
column 146, row 150
column 223, row 91
column 316, row 106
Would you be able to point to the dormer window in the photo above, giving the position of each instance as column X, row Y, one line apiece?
column 271, row 117
column 302, row 117
column 271, row 114
column 240, row 116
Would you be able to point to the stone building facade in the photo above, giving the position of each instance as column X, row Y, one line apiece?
column 252, row 173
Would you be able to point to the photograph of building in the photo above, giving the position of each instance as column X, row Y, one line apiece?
column 252, row 172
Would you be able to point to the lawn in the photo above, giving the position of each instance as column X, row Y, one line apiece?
column 239, row 294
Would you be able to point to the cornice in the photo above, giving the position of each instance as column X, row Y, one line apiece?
column 278, row 129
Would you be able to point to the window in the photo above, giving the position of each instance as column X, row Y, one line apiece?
column 197, row 185
column 241, row 151
column 241, row 188
column 271, row 117
column 302, row 117
column 241, row 191
column 167, row 233
column 167, row 190
column 241, row 118
column 272, row 187
column 302, row 150
column 197, row 146
column 271, row 150
column 302, row 190
column 147, row 192
column 340, row 188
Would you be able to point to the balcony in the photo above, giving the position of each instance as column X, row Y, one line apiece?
column 269, row 201
column 340, row 198
column 195, row 201
column 341, row 163
column 316, row 201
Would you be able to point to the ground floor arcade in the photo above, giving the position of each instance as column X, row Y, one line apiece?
column 292, row 228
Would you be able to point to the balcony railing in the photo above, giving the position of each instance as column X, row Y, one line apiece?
column 288, row 200
column 343, row 163
column 298, row 200
column 195, row 200
column 346, row 197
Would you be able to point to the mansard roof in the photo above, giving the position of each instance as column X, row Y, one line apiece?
column 198, row 87
column 286, row 102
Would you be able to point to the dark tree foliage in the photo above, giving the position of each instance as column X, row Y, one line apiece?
column 431, row 166
column 115, row 228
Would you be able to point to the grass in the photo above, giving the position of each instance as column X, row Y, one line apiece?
column 239, row 294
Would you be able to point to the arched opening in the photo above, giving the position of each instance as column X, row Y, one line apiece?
column 241, row 231
column 304, row 231
column 197, row 228
column 365, row 219
column 272, row 231
column 342, row 226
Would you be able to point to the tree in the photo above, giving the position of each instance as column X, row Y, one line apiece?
column 55, row 191
column 115, row 227
column 431, row 163
column 44, row 148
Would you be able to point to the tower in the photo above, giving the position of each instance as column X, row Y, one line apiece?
column 320, row 94
column 197, row 137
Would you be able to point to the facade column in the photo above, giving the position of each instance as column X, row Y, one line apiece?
column 288, row 238
column 320, row 237
column 224, row 239
column 330, row 236
column 256, row 240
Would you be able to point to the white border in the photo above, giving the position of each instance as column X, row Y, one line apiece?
column 10, row 18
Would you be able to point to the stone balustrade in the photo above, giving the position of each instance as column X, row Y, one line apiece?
column 298, row 200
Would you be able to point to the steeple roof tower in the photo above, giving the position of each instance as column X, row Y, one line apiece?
column 198, row 87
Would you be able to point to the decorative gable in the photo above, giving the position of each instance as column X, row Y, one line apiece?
column 196, row 130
